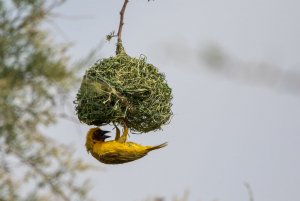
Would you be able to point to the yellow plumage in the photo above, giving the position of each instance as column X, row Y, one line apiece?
column 116, row 151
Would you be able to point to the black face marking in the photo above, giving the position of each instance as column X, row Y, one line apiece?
column 100, row 135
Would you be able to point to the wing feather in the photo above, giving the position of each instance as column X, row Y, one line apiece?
column 117, row 153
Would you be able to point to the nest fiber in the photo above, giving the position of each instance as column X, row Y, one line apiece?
column 124, row 90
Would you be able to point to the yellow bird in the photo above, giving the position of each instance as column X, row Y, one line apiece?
column 116, row 151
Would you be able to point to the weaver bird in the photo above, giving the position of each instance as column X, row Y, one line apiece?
column 116, row 151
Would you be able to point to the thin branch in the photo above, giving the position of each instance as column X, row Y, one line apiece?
column 122, row 12
column 250, row 192
column 54, row 188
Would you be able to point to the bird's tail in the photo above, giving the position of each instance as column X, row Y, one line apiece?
column 158, row 146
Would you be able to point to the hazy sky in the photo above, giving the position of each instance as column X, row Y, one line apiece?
column 223, row 133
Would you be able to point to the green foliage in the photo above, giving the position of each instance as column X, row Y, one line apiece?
column 110, row 36
column 33, row 78
column 123, row 89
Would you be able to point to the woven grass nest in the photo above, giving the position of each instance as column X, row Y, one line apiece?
column 124, row 90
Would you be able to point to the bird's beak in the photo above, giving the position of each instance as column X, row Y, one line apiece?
column 100, row 134
column 105, row 136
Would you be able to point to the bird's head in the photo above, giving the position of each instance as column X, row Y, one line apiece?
column 95, row 135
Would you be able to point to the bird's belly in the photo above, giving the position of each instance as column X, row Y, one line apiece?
column 118, row 157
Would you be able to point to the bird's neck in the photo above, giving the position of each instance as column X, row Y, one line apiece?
column 89, row 144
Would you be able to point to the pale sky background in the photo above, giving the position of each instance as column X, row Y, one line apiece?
column 224, row 132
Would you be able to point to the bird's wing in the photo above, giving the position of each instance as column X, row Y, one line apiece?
column 117, row 153
column 119, row 157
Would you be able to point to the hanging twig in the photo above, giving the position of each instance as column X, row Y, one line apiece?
column 120, row 48
column 119, row 34
column 122, row 12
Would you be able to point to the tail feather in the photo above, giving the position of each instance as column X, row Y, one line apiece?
column 158, row 146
